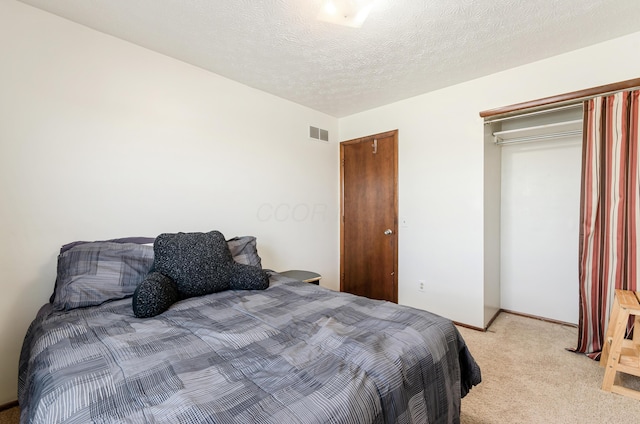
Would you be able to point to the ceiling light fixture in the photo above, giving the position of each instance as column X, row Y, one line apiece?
column 351, row 13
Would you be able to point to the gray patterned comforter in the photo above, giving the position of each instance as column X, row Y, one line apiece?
column 294, row 353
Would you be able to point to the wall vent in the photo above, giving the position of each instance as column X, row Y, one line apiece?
column 318, row 134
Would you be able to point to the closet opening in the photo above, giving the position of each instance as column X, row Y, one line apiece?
column 540, row 165
column 532, row 184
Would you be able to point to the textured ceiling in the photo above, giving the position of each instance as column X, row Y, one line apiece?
column 405, row 47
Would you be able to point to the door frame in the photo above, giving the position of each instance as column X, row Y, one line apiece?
column 394, row 134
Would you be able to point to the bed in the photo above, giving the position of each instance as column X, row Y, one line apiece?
column 291, row 353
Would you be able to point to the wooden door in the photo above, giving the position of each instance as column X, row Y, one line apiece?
column 369, row 206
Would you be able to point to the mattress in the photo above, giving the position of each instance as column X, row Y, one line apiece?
column 292, row 353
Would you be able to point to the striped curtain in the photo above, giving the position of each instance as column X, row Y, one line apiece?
column 609, row 212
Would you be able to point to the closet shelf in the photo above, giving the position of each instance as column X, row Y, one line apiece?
column 540, row 132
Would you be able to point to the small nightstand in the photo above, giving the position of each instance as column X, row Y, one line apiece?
column 305, row 276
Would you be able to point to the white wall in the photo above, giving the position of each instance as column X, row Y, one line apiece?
column 100, row 138
column 442, row 169
column 491, row 234
column 540, row 218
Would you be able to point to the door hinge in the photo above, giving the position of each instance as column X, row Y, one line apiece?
column 375, row 146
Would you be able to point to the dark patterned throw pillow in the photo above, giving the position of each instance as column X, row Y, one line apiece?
column 154, row 295
column 199, row 263
column 192, row 264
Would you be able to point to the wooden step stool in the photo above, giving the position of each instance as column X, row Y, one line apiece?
column 620, row 354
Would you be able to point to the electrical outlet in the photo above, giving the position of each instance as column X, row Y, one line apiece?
column 421, row 284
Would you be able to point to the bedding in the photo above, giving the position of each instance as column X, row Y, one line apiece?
column 93, row 272
column 292, row 353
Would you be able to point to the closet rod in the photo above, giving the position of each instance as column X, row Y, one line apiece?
column 562, row 99
column 532, row 138
column 569, row 104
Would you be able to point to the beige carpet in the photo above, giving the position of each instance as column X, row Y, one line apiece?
column 529, row 377
column 10, row 416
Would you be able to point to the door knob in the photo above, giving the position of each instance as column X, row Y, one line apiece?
column 388, row 232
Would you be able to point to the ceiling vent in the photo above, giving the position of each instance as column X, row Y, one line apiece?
column 318, row 134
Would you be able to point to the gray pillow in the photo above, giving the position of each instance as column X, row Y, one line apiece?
column 90, row 274
column 244, row 250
